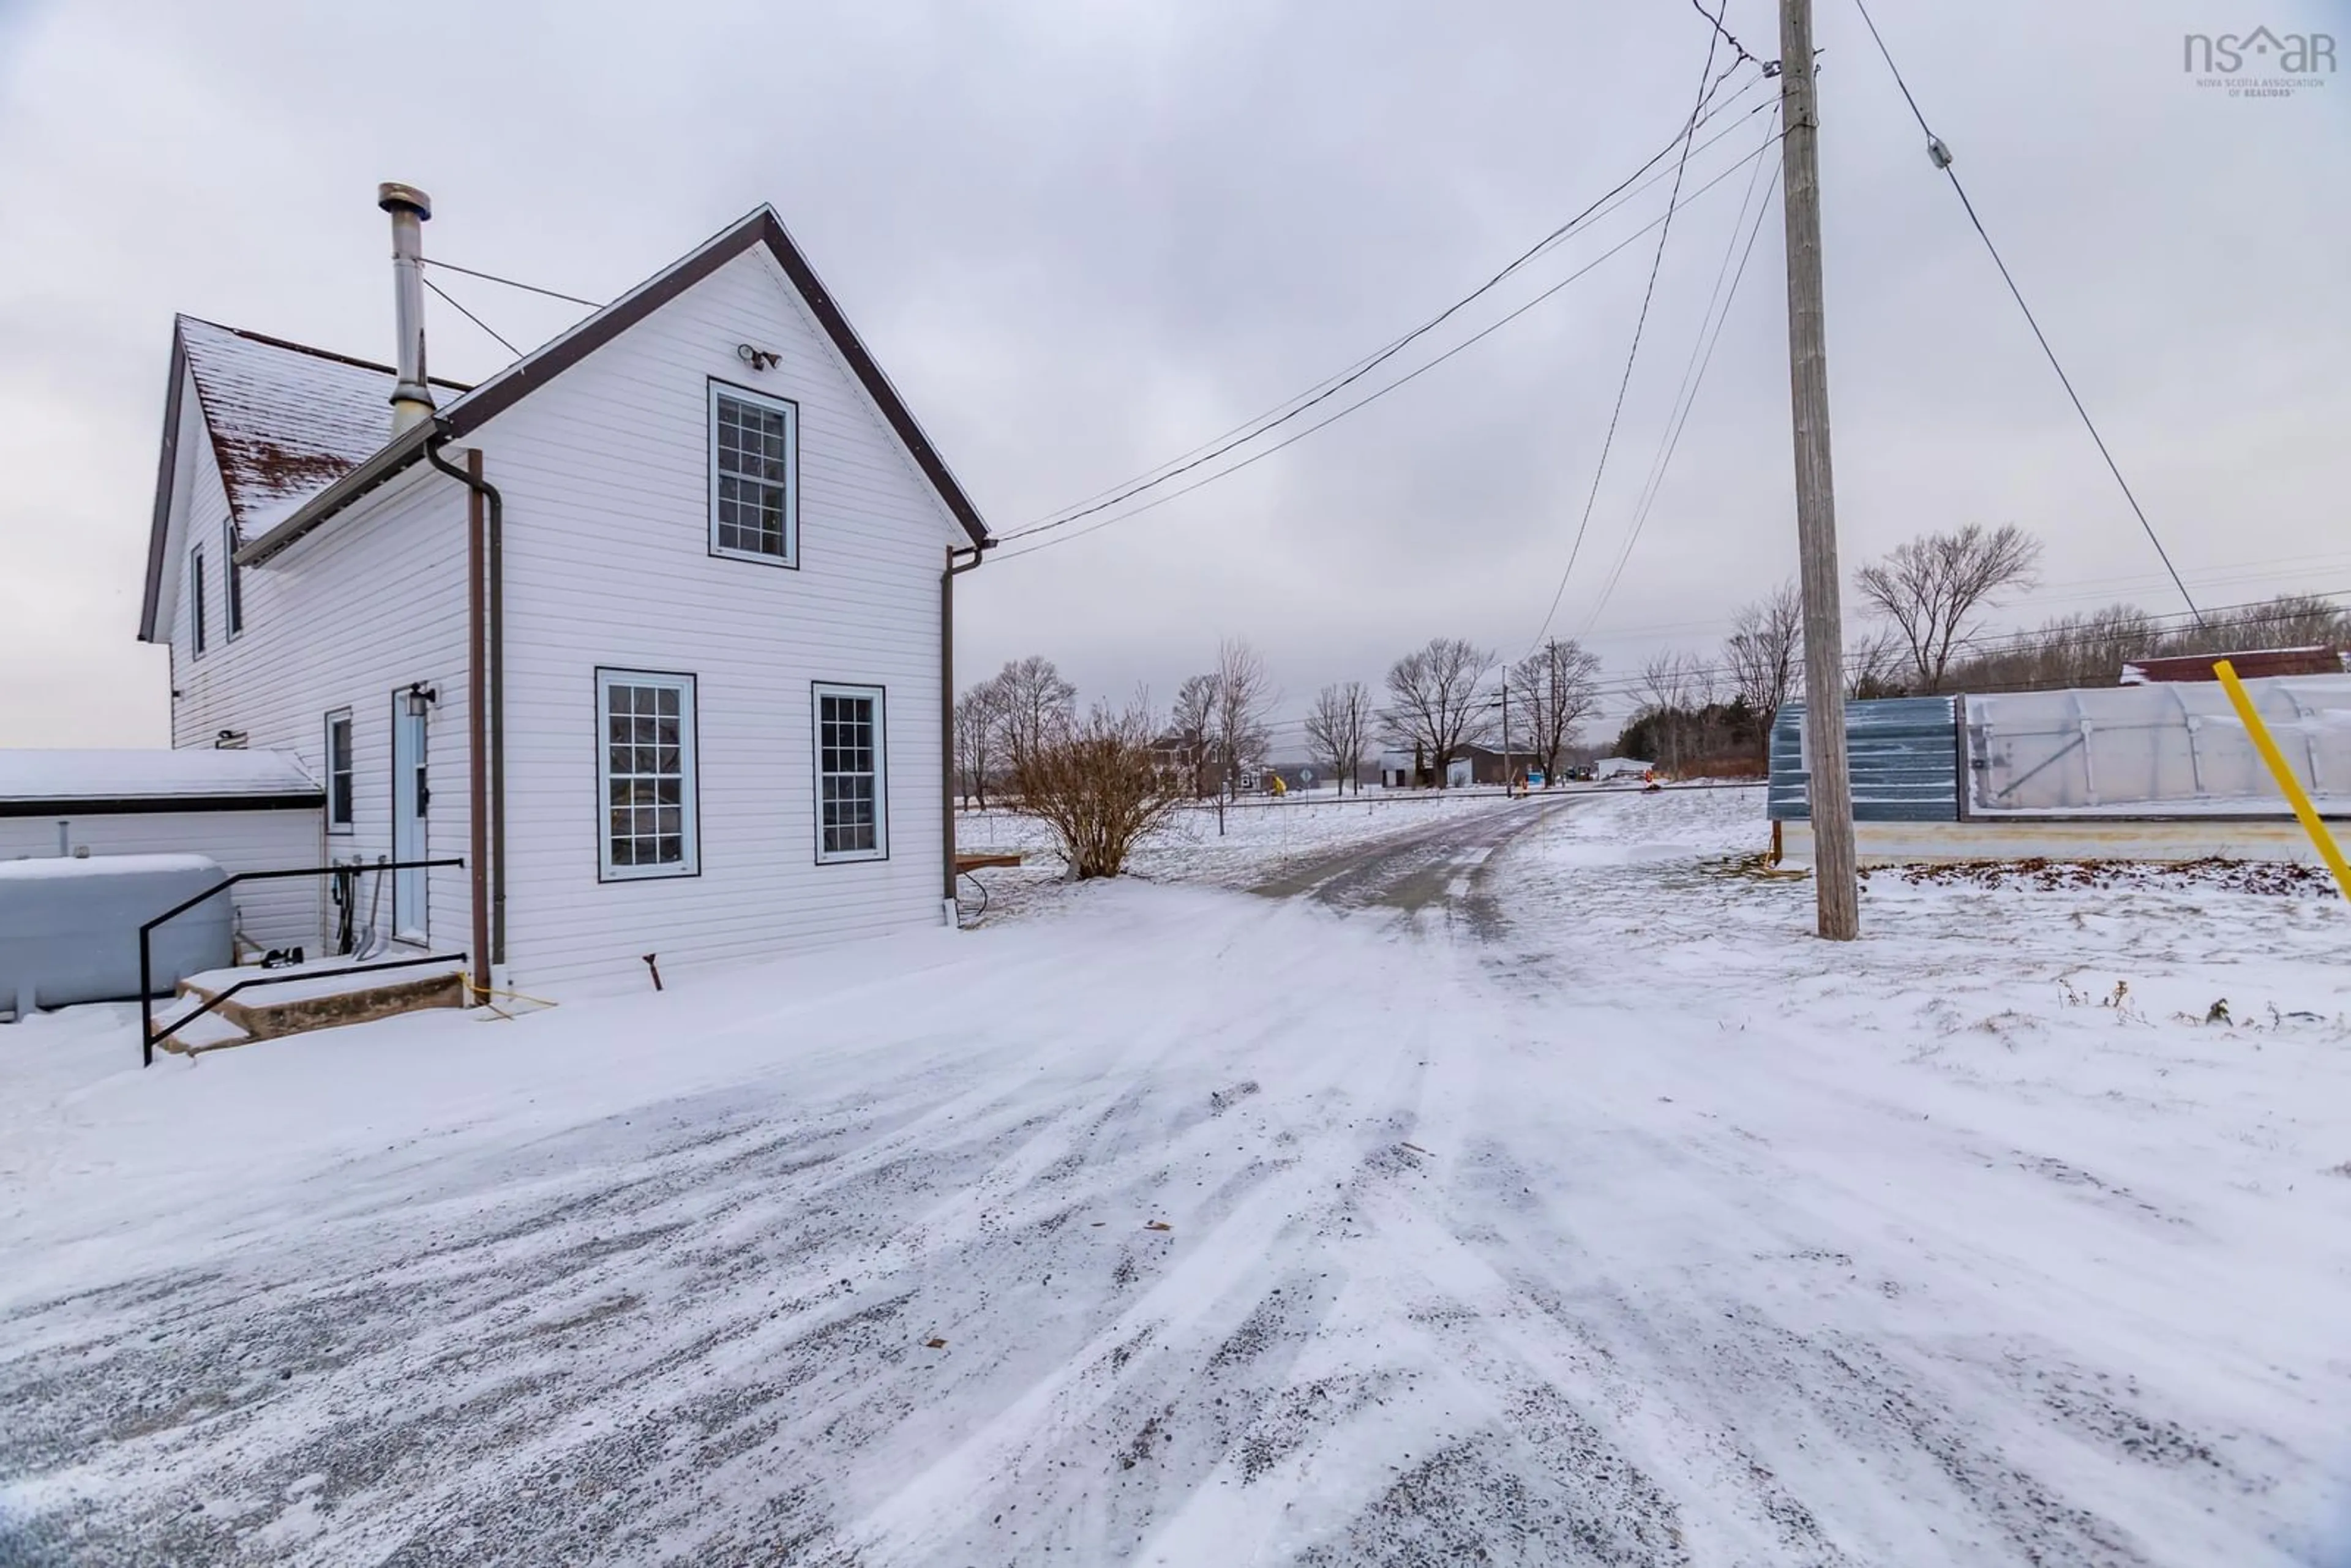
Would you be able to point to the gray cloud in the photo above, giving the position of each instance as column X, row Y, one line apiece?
column 1084, row 238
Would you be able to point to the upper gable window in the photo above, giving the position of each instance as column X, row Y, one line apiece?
column 754, row 476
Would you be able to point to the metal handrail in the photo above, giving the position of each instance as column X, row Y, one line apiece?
column 149, row 1038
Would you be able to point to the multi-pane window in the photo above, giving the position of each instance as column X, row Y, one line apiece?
column 340, row 801
column 232, row 580
column 196, row 638
column 853, row 823
column 647, row 774
column 754, row 477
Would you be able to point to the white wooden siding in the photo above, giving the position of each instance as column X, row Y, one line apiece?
column 606, row 480
column 344, row 619
column 279, row 914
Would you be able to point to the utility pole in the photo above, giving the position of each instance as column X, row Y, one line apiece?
column 1831, row 802
column 1506, row 730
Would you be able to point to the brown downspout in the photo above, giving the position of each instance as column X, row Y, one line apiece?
column 946, row 704
column 477, row 726
column 486, row 580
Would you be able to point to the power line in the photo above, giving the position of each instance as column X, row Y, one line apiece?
column 1374, row 396
column 469, row 315
column 1714, row 20
column 1291, row 408
column 1640, row 323
column 510, row 283
column 1941, row 155
column 1702, row 358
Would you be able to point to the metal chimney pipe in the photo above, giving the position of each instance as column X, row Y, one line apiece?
column 412, row 397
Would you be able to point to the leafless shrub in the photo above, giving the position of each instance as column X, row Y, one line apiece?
column 1100, row 786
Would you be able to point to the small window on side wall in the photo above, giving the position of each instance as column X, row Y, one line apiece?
column 755, row 486
column 231, row 582
column 340, row 805
column 853, row 821
column 196, row 629
column 647, row 817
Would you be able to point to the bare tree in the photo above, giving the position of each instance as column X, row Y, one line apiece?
column 1099, row 786
column 1191, row 728
column 1556, row 687
column 1665, row 697
column 1931, row 588
column 1036, row 706
column 1244, row 694
column 1434, row 703
column 1764, row 657
column 1339, row 728
column 1874, row 664
column 979, row 738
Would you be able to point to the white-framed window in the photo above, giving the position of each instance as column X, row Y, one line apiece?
column 754, row 476
column 196, row 629
column 231, row 582
column 341, row 774
column 647, row 826
column 852, row 818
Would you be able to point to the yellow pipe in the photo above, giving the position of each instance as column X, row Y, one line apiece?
column 2283, row 772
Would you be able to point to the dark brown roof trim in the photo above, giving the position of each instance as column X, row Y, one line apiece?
column 509, row 386
column 167, row 468
column 130, row 805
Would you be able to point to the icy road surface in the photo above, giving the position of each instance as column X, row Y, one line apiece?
column 1497, row 1195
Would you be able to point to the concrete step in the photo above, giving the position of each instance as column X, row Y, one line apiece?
column 322, row 994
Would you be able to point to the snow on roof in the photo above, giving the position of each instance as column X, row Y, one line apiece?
column 287, row 421
column 161, row 776
column 58, row 868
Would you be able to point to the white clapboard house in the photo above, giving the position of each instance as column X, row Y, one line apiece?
column 651, row 629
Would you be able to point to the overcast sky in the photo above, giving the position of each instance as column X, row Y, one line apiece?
column 1084, row 238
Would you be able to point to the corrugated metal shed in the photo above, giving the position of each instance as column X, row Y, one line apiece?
column 1904, row 753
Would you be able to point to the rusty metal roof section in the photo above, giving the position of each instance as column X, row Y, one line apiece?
column 286, row 420
column 2252, row 664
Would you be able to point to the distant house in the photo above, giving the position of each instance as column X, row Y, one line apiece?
column 1189, row 760
column 649, row 629
column 1470, row 765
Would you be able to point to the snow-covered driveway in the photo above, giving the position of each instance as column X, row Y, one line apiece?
column 1615, row 1223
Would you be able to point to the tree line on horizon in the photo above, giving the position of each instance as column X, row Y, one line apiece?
column 1922, row 604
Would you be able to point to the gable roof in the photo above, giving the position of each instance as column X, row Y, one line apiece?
column 285, row 420
column 301, row 475
column 526, row 375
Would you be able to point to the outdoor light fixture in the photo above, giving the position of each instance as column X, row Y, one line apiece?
column 421, row 697
column 757, row 359
column 229, row 741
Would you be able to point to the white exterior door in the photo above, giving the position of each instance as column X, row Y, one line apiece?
column 412, row 801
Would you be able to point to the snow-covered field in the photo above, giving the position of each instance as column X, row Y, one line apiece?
column 1590, row 1213
column 1256, row 840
